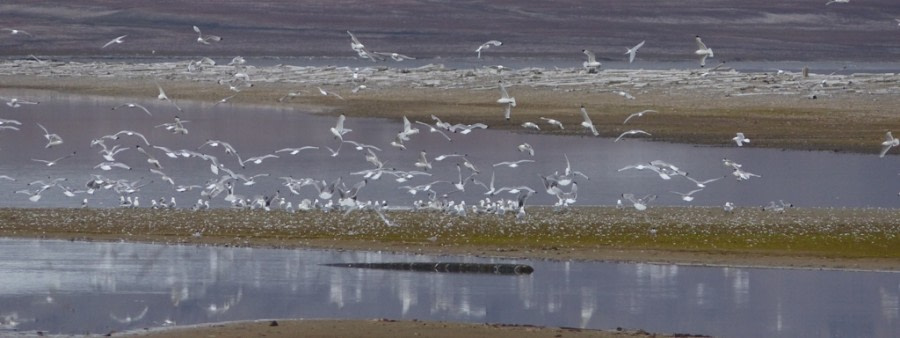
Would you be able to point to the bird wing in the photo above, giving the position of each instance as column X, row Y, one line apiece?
column 45, row 129
column 584, row 115
column 503, row 93
column 197, row 29
column 700, row 44
column 590, row 55
column 630, row 116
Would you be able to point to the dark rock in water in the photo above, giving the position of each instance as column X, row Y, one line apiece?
column 500, row 269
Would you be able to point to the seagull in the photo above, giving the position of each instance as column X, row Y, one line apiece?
column 631, row 132
column 407, row 130
column 133, row 105
column 531, row 125
column 728, row 207
column 224, row 100
column 325, row 93
column 639, row 114
column 591, row 64
column 639, row 203
column 703, row 52
column 631, row 51
column 837, row 1
column 731, row 164
column 205, row 39
column 131, row 133
column 587, row 123
column 150, row 158
column 116, row 40
column 743, row 175
column 258, row 159
column 526, row 148
column 398, row 142
column 163, row 176
column 295, row 151
column 702, row 184
column 52, row 139
column 163, row 97
column 505, row 99
column 16, row 103
column 396, row 56
column 687, row 196
column 889, row 142
column 625, row 95
column 434, row 129
column 740, row 139
column 338, row 130
column 176, row 127
column 17, row 31
column 512, row 164
column 53, row 162
column 487, row 45
column 466, row 128
column 109, row 165
column 553, row 122
column 423, row 161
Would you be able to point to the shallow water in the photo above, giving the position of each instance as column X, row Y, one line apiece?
column 78, row 287
column 804, row 178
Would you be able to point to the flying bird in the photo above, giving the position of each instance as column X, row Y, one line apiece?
column 587, row 123
column 638, row 114
column 17, row 31
column 53, row 162
column 116, row 40
column 52, row 139
column 631, row 51
column 591, row 64
column 487, row 45
column 133, row 105
column 553, row 122
column 889, row 142
column 205, row 39
column 505, row 99
column 702, row 51
column 631, row 132
column 740, row 139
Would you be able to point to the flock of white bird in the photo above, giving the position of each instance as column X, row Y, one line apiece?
column 336, row 194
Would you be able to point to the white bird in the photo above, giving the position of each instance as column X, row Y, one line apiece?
column 466, row 128
column 150, row 158
column 633, row 50
column 407, row 130
column 163, row 176
column 591, row 64
column 130, row 133
column 487, row 45
column 531, row 125
column 731, row 164
column 258, row 159
column 728, row 207
column 740, row 139
column 837, row 1
column 638, row 114
column 505, row 99
column 396, row 56
column 17, row 31
column 326, row 93
column 52, row 139
column 133, row 105
column 295, row 151
column 889, row 142
column 639, row 203
column 434, row 129
column 687, row 197
column 702, row 51
column 624, row 94
column 109, row 165
column 587, row 123
column 702, row 184
column 116, row 40
column 338, row 130
column 631, row 132
column 176, row 127
column 423, row 161
column 205, row 39
column 553, row 122
column 53, row 162
column 743, row 175
column 526, row 148
column 16, row 103
column 163, row 97
column 398, row 142
column 512, row 164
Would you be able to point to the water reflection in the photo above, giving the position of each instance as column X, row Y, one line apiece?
column 800, row 177
column 72, row 287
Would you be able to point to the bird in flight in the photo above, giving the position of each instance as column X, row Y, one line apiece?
column 702, row 51
column 120, row 39
column 201, row 39
column 487, row 45
column 633, row 50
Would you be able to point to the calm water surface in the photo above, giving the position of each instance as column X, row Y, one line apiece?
column 804, row 178
column 78, row 287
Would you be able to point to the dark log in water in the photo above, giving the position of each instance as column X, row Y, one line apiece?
column 500, row 269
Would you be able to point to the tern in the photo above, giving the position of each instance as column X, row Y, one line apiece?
column 553, row 122
column 338, row 130
column 407, row 130
column 587, row 123
column 466, row 128
column 396, row 56
column 163, row 97
column 889, row 142
column 131, row 133
column 638, row 114
column 258, row 159
column 487, row 45
column 512, row 164
column 150, row 158
column 837, row 1
column 163, row 176
column 731, row 164
column 591, row 64
column 109, row 165
column 740, row 139
column 205, row 39
column 624, row 94
column 362, row 146
column 633, row 50
column 526, row 148
column 743, row 175
column 702, row 51
column 133, row 105
column 687, row 196
column 53, row 162
column 505, row 99
column 639, row 203
column 16, row 103
column 702, row 184
column 52, row 139
column 116, row 40
column 326, row 93
column 631, row 132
